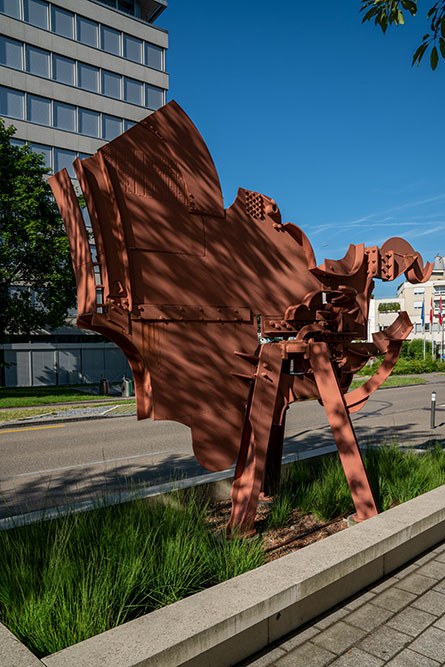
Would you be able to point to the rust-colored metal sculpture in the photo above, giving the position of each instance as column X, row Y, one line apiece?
column 178, row 285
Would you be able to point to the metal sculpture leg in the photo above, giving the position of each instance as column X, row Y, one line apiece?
column 342, row 429
column 250, row 467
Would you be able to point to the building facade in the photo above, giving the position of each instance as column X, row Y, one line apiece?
column 73, row 76
column 411, row 298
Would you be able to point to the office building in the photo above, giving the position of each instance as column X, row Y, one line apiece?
column 73, row 76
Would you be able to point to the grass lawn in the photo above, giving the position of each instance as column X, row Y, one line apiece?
column 70, row 578
column 392, row 381
column 19, row 397
column 23, row 413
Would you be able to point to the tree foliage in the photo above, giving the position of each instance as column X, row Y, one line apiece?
column 37, row 285
column 391, row 12
column 389, row 307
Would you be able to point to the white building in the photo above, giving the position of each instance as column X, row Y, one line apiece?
column 73, row 76
column 411, row 298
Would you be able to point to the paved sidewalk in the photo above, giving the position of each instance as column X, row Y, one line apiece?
column 400, row 623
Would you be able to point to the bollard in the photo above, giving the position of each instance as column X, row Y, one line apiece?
column 433, row 410
column 103, row 387
column 126, row 387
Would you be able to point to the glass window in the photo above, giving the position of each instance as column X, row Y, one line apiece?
column 64, row 69
column 11, row 103
column 62, row 22
column 111, row 84
column 132, row 91
column 64, row 116
column 10, row 8
column 17, row 142
column 46, row 151
column 37, row 61
column 418, row 328
column 87, row 31
column 110, row 40
column 132, row 48
column 39, row 110
column 88, row 77
column 11, row 53
column 154, row 56
column 128, row 124
column 417, row 305
column 126, row 6
column 89, row 122
column 111, row 127
column 83, row 156
column 154, row 97
column 36, row 13
column 64, row 159
column 110, row 3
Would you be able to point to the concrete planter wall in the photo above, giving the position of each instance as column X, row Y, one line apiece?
column 227, row 623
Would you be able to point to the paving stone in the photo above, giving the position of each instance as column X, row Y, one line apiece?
column 267, row 659
column 408, row 658
column 416, row 583
column 431, row 643
column 357, row 658
column 425, row 558
column 440, row 549
column 306, row 655
column 383, row 585
column 406, row 570
column 368, row 616
column 412, row 621
column 440, row 623
column 357, row 602
column 385, row 642
column 432, row 602
column 394, row 599
column 439, row 587
column 325, row 622
column 339, row 637
column 434, row 569
column 299, row 638
column 440, row 558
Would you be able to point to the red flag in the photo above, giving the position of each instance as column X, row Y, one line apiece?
column 440, row 314
column 431, row 311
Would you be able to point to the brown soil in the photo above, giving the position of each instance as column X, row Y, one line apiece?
column 218, row 515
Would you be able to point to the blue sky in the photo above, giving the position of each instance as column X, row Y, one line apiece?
column 301, row 102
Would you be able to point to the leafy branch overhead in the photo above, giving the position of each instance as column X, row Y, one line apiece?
column 391, row 12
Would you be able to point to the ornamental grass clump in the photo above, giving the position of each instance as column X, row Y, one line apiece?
column 395, row 477
column 70, row 578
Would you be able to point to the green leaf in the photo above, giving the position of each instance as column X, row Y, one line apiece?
column 442, row 27
column 434, row 58
column 442, row 46
column 418, row 54
column 400, row 19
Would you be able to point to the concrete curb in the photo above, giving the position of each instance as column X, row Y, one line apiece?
column 214, row 486
column 227, row 623
column 62, row 420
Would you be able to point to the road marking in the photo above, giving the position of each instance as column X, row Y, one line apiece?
column 91, row 463
column 32, row 428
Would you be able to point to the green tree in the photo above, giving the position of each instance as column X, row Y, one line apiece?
column 37, row 285
column 390, row 12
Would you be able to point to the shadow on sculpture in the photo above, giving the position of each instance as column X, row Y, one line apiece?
column 178, row 285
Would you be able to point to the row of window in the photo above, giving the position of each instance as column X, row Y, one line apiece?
column 419, row 327
column 40, row 110
column 67, row 24
column 40, row 62
column 55, row 158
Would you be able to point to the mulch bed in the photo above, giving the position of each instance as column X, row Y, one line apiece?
column 218, row 514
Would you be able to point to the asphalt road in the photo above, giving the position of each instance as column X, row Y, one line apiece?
column 63, row 463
